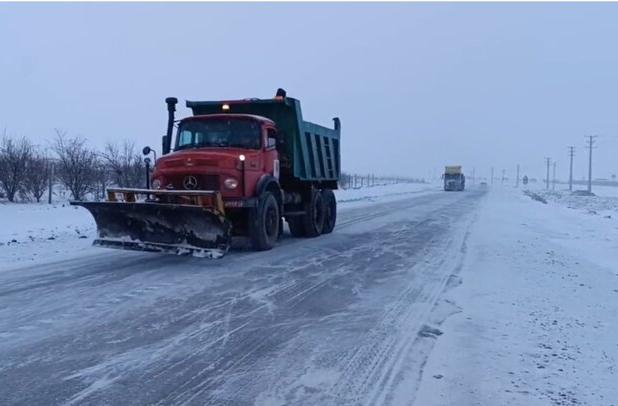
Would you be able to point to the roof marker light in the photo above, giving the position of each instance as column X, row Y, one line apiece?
column 225, row 107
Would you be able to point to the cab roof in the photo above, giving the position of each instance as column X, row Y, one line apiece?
column 254, row 117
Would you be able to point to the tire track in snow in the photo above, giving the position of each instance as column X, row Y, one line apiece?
column 368, row 374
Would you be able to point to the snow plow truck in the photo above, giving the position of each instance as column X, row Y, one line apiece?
column 235, row 168
column 454, row 178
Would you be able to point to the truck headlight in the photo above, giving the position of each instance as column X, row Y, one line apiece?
column 156, row 184
column 230, row 183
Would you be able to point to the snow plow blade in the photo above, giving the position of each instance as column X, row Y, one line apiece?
column 179, row 229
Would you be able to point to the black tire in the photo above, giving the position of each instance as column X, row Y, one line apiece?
column 297, row 226
column 264, row 223
column 314, row 215
column 330, row 217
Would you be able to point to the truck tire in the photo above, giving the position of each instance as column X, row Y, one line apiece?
column 313, row 219
column 265, row 222
column 330, row 215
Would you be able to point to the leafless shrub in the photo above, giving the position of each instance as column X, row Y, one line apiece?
column 125, row 165
column 37, row 175
column 103, row 179
column 14, row 156
column 76, row 164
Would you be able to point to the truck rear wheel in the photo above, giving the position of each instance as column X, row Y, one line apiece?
column 314, row 215
column 330, row 215
column 265, row 222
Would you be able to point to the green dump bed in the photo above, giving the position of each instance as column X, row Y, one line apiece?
column 308, row 152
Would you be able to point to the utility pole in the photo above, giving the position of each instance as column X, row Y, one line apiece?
column 547, row 178
column 517, row 180
column 502, row 180
column 492, row 175
column 590, row 143
column 553, row 183
column 473, row 175
column 571, row 153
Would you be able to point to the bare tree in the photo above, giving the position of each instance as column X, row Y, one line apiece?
column 103, row 179
column 37, row 175
column 76, row 164
column 14, row 156
column 125, row 165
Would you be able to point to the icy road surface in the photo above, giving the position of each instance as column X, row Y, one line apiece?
column 341, row 319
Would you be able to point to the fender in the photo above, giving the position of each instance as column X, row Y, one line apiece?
column 266, row 181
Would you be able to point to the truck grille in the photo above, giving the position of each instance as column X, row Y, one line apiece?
column 204, row 182
column 209, row 182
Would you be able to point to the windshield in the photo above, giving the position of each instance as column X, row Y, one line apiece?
column 219, row 133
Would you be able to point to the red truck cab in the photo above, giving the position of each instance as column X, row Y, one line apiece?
column 228, row 153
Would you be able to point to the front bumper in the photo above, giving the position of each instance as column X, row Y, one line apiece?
column 240, row 203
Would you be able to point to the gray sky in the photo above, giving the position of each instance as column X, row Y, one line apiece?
column 417, row 86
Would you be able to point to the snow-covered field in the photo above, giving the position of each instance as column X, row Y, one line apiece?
column 364, row 196
column 605, row 191
column 604, row 203
column 32, row 232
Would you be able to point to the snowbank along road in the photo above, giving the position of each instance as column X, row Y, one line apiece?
column 341, row 319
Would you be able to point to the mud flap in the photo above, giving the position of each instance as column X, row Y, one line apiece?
column 161, row 227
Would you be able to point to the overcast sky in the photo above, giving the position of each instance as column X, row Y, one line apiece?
column 417, row 86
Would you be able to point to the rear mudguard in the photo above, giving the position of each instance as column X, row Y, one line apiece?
column 164, row 227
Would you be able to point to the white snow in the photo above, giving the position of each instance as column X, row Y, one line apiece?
column 528, row 318
column 604, row 203
column 347, row 198
column 538, row 319
column 37, row 231
column 33, row 232
column 605, row 191
column 535, row 314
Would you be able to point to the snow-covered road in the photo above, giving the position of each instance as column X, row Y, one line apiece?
column 537, row 313
column 341, row 319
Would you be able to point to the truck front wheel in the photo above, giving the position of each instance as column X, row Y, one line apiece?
column 265, row 222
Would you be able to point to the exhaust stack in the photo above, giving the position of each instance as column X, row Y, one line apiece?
column 167, row 138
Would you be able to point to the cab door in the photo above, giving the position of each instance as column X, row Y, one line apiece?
column 271, row 156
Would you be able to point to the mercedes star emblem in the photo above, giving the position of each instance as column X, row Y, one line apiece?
column 190, row 182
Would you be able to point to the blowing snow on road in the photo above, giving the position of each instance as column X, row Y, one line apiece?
column 410, row 301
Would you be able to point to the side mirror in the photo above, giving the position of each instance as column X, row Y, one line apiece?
column 146, row 150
